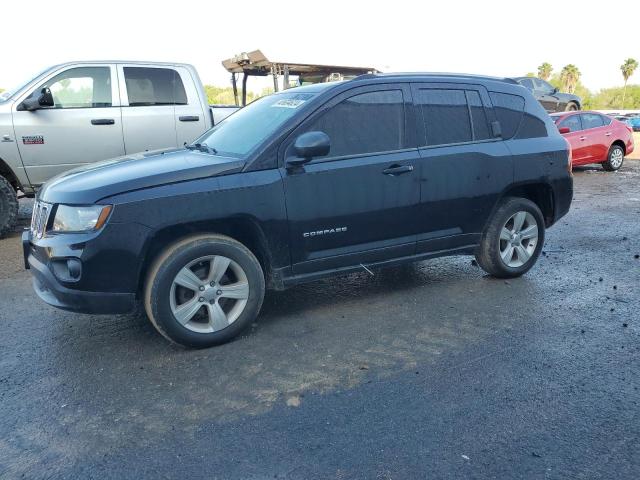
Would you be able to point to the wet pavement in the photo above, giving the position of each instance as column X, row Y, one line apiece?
column 426, row 371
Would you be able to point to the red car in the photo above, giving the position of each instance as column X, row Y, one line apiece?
column 595, row 138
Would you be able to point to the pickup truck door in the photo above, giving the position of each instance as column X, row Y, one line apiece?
column 357, row 204
column 83, row 126
column 160, row 107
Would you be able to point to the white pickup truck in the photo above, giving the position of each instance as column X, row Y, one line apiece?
column 82, row 112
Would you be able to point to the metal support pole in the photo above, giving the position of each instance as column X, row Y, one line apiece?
column 274, row 73
column 235, row 89
column 285, row 78
column 244, row 89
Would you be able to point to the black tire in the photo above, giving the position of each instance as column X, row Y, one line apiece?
column 163, row 271
column 488, row 254
column 614, row 162
column 571, row 107
column 8, row 206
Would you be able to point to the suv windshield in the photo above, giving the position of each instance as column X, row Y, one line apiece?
column 239, row 134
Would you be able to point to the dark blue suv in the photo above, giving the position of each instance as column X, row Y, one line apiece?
column 310, row 182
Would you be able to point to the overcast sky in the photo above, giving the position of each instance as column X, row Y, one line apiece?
column 485, row 37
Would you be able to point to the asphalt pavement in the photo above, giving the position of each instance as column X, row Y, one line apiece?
column 433, row 370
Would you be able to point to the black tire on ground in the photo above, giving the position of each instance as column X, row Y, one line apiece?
column 163, row 271
column 8, row 206
column 571, row 107
column 614, row 161
column 488, row 254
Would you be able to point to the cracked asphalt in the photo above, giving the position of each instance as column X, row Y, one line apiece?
column 432, row 370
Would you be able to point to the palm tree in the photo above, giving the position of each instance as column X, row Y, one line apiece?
column 627, row 68
column 570, row 76
column 544, row 71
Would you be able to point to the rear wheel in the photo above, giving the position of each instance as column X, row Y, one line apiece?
column 8, row 206
column 203, row 291
column 513, row 239
column 615, row 158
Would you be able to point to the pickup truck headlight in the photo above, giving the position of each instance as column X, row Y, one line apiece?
column 80, row 219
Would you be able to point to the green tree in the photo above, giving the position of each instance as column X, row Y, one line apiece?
column 569, row 77
column 544, row 71
column 627, row 68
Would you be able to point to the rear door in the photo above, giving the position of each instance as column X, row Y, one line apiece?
column 463, row 167
column 596, row 140
column 83, row 126
column 358, row 203
column 154, row 101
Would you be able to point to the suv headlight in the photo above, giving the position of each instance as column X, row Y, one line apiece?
column 80, row 219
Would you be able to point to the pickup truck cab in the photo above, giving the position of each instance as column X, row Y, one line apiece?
column 313, row 181
column 82, row 112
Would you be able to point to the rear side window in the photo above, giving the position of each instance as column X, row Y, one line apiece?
column 478, row 116
column 509, row 111
column 366, row 123
column 591, row 120
column 606, row 120
column 154, row 86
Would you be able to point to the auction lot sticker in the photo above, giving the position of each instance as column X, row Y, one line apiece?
column 33, row 140
column 288, row 103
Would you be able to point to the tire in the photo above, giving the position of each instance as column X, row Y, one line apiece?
column 493, row 246
column 236, row 289
column 615, row 158
column 8, row 206
column 571, row 107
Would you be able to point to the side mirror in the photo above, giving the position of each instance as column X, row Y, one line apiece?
column 554, row 91
column 564, row 130
column 308, row 146
column 45, row 99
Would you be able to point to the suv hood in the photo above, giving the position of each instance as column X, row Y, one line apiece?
column 91, row 183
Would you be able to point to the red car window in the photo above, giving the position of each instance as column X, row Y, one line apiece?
column 572, row 122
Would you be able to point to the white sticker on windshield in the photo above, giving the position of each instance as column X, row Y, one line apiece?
column 291, row 103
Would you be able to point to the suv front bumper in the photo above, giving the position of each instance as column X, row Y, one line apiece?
column 53, row 292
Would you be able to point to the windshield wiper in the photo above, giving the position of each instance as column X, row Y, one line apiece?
column 201, row 147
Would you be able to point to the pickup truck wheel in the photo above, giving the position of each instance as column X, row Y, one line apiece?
column 204, row 290
column 615, row 159
column 8, row 206
column 513, row 239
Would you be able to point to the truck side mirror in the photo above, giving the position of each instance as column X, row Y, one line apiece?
column 45, row 99
column 309, row 145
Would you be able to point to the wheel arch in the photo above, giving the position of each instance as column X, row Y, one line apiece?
column 7, row 172
column 539, row 193
column 621, row 144
column 245, row 230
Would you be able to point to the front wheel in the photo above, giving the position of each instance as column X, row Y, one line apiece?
column 615, row 159
column 513, row 239
column 8, row 206
column 204, row 290
column 571, row 107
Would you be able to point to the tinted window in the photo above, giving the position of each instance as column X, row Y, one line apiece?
column 83, row 87
column 591, row 120
column 365, row 123
column 606, row 120
column 572, row 122
column 154, row 86
column 527, row 82
column 478, row 116
column 542, row 86
column 446, row 116
column 508, row 110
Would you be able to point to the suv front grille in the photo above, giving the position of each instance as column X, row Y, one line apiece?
column 40, row 218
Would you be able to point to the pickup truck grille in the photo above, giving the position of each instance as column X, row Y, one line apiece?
column 40, row 218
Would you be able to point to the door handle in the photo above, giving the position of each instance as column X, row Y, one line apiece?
column 189, row 118
column 398, row 169
column 103, row 121
column 608, row 134
column 583, row 138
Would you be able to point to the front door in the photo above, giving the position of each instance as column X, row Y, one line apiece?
column 357, row 204
column 83, row 126
column 576, row 138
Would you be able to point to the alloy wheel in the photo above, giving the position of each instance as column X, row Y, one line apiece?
column 617, row 156
column 518, row 239
column 209, row 294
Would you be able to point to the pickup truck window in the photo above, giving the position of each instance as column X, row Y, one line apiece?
column 154, row 86
column 83, row 87
column 366, row 123
column 239, row 134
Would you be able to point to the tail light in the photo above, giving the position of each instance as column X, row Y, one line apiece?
column 570, row 157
